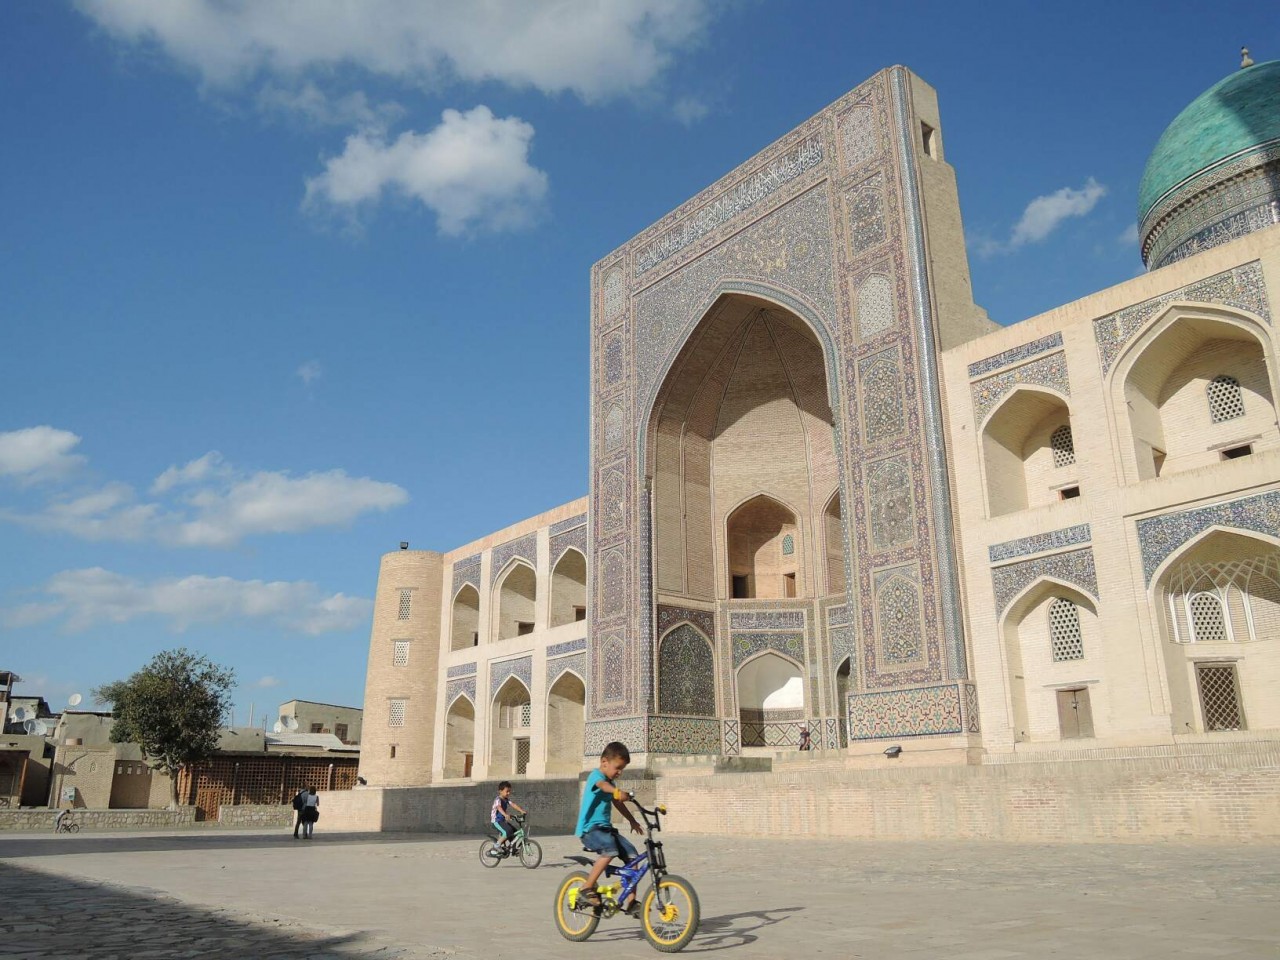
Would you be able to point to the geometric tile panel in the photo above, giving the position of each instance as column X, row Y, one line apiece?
column 1040, row 542
column 1013, row 355
column 891, row 511
column 629, row 731
column 877, row 311
column 466, row 571
column 1074, row 567
column 461, row 670
column 1160, row 536
column 684, row 735
column 576, row 538
column 746, row 645
column 526, row 548
column 569, row 646
column 568, row 524
column 767, row 620
column 520, row 668
column 465, row 686
column 576, row 663
column 898, row 619
column 668, row 617
column 686, row 674
column 918, row 712
column 859, row 136
column 1050, row 371
column 882, row 408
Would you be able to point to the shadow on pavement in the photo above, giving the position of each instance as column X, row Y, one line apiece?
column 49, row 917
column 17, row 846
column 724, row 932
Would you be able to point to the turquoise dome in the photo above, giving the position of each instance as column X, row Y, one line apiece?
column 1236, row 114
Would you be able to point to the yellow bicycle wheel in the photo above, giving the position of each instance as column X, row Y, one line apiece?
column 671, row 914
column 574, row 921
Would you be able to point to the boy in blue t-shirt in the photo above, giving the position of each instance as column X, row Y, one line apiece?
column 595, row 825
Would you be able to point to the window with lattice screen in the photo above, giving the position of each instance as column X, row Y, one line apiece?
column 1225, row 400
column 1219, row 696
column 1208, row 625
column 522, row 755
column 788, row 545
column 406, row 599
column 526, row 714
column 1064, row 630
column 401, row 656
column 395, row 713
column 1063, row 446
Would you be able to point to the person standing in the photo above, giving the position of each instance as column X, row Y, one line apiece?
column 299, row 802
column 310, row 812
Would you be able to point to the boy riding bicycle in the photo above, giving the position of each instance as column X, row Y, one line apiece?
column 595, row 825
column 502, row 821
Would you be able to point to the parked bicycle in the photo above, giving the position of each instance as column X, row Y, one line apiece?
column 493, row 852
column 669, row 911
column 66, row 823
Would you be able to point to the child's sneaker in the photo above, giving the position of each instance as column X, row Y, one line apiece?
column 632, row 909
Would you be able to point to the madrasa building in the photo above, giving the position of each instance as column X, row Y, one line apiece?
column 831, row 503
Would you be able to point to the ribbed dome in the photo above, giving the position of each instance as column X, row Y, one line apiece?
column 1234, row 120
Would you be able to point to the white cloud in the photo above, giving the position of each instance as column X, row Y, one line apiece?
column 1044, row 214
column 472, row 171
column 82, row 599
column 689, row 110
column 311, row 370
column 38, row 453
column 267, row 682
column 1129, row 236
column 593, row 48
column 192, row 472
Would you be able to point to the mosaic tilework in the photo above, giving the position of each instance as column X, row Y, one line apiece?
column 569, row 646
column 570, row 523
column 918, row 712
column 867, row 215
column 767, row 620
column 731, row 738
column 630, row 730
column 615, row 428
column 799, row 237
column 1161, row 536
column 669, row 616
column 615, row 669
column 747, row 645
column 1222, row 174
column 889, row 502
column 526, row 548
column 1040, row 542
column 614, row 295
column 521, row 668
column 686, row 674
column 1016, row 354
column 613, row 501
column 1050, row 371
column 465, row 687
column 576, row 663
column 684, row 735
column 1075, row 567
column 734, row 201
column 466, row 571
column 839, row 615
column 461, row 670
column 843, row 644
column 898, row 616
column 576, row 538
column 882, row 408
column 860, row 139
column 1243, row 287
column 971, row 722
column 613, row 583
column 877, row 311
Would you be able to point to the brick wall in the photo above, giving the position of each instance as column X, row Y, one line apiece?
column 256, row 815
column 42, row 820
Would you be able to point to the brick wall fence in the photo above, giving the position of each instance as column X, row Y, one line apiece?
column 42, row 819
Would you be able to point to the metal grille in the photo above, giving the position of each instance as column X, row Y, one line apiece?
column 522, row 755
column 401, row 657
column 406, row 598
column 395, row 716
column 1219, row 697
column 1064, row 630
column 1207, row 622
column 1225, row 400
column 1063, row 446
column 788, row 545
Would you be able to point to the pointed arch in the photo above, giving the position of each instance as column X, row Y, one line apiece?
column 517, row 598
column 754, row 532
column 565, row 723
column 464, row 628
column 771, row 699
column 511, row 716
column 833, row 540
column 686, row 672
column 1021, row 465
column 459, row 737
column 569, row 588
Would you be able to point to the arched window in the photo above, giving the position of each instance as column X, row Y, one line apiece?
column 1225, row 400
column 1064, row 448
column 1207, row 623
column 788, row 545
column 1064, row 630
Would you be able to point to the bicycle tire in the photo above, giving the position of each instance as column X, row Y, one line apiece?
column 486, row 858
column 673, row 935
column 573, row 924
column 73, row 828
column 531, row 854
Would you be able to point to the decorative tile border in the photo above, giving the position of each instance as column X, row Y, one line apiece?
column 526, row 548
column 747, row 645
column 766, row 620
column 569, row 646
column 598, row 733
column 844, row 644
column 1039, row 543
column 564, row 526
column 918, row 712
column 1243, row 287
column 461, row 670
column 704, row 620
column 1050, row 371
column 576, row 538
column 520, row 668
column 684, row 735
column 466, row 571
column 576, row 663
column 731, row 738
column 838, row 615
column 1075, row 567
column 1159, row 537
column 466, row 687
column 1015, row 354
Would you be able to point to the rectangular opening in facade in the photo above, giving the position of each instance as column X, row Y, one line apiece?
column 1219, row 696
column 1235, row 453
column 929, row 140
column 340, row 731
column 579, row 614
column 475, row 639
column 741, row 587
column 1075, row 719
column 1068, row 493
column 522, row 755
column 523, row 627
column 788, row 584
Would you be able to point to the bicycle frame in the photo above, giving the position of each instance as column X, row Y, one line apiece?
column 653, row 860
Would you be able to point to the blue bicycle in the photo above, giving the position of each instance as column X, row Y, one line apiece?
column 669, row 911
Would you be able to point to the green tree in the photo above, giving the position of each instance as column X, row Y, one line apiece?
column 172, row 709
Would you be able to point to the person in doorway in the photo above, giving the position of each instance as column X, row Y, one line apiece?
column 299, row 801
column 310, row 812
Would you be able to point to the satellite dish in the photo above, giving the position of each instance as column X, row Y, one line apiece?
column 24, row 714
column 279, row 727
column 74, row 699
column 37, row 728
column 290, row 723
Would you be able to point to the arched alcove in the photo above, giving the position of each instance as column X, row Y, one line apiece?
column 569, row 589
column 833, row 546
column 1219, row 608
column 1028, row 452
column 465, row 630
column 509, row 726
column 759, row 564
column 459, row 738
column 1056, row 668
column 517, row 599
column 566, row 706
column 844, row 680
column 686, row 673
column 1196, row 389
column 771, row 707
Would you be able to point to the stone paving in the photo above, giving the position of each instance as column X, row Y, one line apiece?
column 226, row 894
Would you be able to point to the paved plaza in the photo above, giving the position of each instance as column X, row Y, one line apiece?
column 214, row 893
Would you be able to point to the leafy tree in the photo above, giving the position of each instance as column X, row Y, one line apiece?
column 172, row 709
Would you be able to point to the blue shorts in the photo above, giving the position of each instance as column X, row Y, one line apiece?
column 608, row 841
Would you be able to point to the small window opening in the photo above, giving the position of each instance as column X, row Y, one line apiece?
column 1235, row 453
column 523, row 627
column 928, row 140
column 1225, row 399
column 1068, row 493
column 579, row 613
column 788, row 584
column 393, row 751
column 1064, row 448
column 475, row 639
column 317, row 728
column 741, row 587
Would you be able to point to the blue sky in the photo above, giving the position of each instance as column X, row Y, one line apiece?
column 282, row 284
